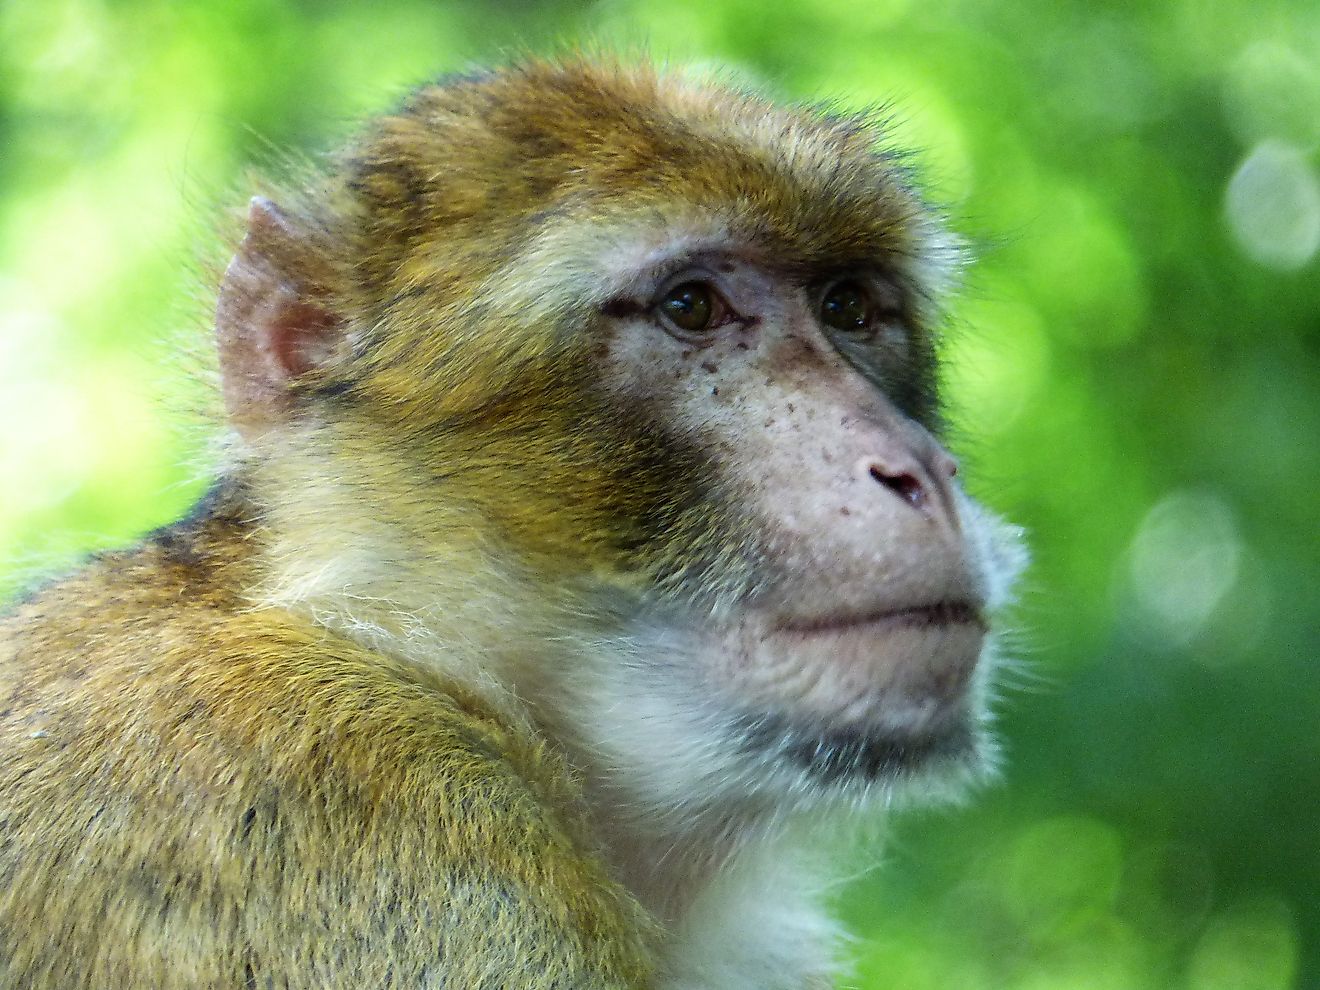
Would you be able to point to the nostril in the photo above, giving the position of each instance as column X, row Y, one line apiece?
column 906, row 486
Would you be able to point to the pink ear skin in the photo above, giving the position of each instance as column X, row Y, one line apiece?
column 271, row 325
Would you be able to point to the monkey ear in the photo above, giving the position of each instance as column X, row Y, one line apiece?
column 273, row 322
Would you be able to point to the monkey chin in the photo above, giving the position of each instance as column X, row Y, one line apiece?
column 886, row 698
column 865, row 754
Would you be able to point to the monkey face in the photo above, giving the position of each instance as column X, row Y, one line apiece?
column 850, row 653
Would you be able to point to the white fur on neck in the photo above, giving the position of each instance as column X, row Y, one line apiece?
column 758, row 923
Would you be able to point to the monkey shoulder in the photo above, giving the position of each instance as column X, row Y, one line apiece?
column 193, row 793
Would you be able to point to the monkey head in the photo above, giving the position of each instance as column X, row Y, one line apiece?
column 615, row 393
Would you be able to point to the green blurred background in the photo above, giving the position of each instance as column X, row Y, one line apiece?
column 1134, row 370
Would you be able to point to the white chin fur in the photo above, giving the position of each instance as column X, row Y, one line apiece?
column 675, row 752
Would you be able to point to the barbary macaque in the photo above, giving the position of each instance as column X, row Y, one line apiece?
column 584, row 555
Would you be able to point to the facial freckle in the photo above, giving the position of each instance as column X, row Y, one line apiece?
column 714, row 391
column 710, row 366
column 845, row 511
column 742, row 345
column 792, row 408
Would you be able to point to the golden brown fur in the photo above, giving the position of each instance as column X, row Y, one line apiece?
column 197, row 794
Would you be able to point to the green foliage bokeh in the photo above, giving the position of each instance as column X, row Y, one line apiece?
column 1133, row 369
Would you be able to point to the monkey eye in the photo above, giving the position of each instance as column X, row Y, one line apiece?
column 692, row 309
column 849, row 307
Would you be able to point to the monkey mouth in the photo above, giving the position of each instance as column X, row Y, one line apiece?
column 945, row 613
column 873, row 690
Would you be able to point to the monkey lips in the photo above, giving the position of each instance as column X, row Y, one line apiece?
column 870, row 693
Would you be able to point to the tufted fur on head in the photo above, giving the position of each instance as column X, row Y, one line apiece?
column 451, row 271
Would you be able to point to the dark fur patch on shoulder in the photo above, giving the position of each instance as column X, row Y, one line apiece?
column 225, row 501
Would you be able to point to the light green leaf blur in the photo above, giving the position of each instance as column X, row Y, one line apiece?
column 1133, row 371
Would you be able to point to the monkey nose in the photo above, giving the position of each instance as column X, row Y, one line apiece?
column 906, row 484
column 919, row 475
